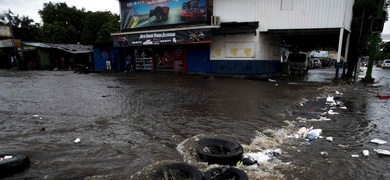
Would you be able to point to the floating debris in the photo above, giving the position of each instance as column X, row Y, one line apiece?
column 378, row 141
column 366, row 153
column 329, row 139
column 382, row 152
column 324, row 154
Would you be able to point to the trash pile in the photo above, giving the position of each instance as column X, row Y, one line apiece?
column 333, row 107
column 332, row 103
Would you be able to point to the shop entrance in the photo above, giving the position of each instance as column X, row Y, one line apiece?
column 169, row 59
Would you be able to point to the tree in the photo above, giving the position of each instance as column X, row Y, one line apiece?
column 364, row 12
column 62, row 24
column 99, row 26
column 23, row 27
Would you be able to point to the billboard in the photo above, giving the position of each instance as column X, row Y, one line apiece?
column 152, row 13
column 5, row 31
column 164, row 38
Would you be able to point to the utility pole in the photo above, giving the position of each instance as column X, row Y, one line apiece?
column 376, row 28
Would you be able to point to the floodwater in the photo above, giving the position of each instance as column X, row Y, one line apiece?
column 129, row 124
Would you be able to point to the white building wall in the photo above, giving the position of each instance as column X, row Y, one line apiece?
column 287, row 14
column 275, row 15
column 265, row 46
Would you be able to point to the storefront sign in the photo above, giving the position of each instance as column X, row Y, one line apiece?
column 164, row 38
column 147, row 13
column 5, row 31
column 6, row 43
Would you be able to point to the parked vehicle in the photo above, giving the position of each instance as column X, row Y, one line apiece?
column 299, row 62
column 82, row 68
column 316, row 63
column 386, row 63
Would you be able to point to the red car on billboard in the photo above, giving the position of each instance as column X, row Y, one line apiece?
column 191, row 14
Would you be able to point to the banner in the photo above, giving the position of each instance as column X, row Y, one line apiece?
column 147, row 13
column 5, row 31
column 164, row 38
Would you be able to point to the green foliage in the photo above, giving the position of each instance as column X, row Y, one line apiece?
column 99, row 26
column 61, row 24
column 23, row 27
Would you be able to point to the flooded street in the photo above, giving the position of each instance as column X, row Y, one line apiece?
column 129, row 123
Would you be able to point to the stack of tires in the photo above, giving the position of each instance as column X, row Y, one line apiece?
column 212, row 151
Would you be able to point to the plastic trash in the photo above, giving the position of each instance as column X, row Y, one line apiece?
column 329, row 139
column 315, row 132
column 355, row 155
column 77, row 140
column 272, row 80
column 312, row 137
column 247, row 161
column 7, row 157
column 378, row 141
column 329, row 99
column 36, row 115
column 382, row 152
column 324, row 154
column 366, row 153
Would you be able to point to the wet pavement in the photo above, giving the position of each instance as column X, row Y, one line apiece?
column 129, row 124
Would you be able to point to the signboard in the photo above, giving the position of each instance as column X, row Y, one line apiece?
column 240, row 50
column 5, row 31
column 148, row 13
column 164, row 38
column 319, row 54
column 6, row 43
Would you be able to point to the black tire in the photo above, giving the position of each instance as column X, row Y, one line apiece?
column 17, row 163
column 225, row 173
column 151, row 13
column 219, row 151
column 184, row 6
column 165, row 17
column 178, row 171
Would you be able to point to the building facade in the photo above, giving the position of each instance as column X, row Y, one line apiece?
column 224, row 36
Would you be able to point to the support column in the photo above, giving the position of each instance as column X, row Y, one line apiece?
column 339, row 51
column 346, row 55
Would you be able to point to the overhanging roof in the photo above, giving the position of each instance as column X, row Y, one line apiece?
column 70, row 48
column 164, row 30
column 237, row 28
column 305, row 31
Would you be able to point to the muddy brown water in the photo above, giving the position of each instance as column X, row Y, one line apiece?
column 129, row 124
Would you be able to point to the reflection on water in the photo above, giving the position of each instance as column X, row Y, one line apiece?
column 129, row 124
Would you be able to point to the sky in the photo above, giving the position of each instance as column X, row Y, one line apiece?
column 30, row 8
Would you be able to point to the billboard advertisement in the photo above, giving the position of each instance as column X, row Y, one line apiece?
column 164, row 38
column 151, row 13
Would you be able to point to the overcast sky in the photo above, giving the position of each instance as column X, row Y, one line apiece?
column 30, row 8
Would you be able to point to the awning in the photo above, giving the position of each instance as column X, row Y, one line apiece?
column 237, row 28
column 185, row 35
column 70, row 48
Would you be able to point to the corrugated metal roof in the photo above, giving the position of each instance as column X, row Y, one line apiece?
column 70, row 48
